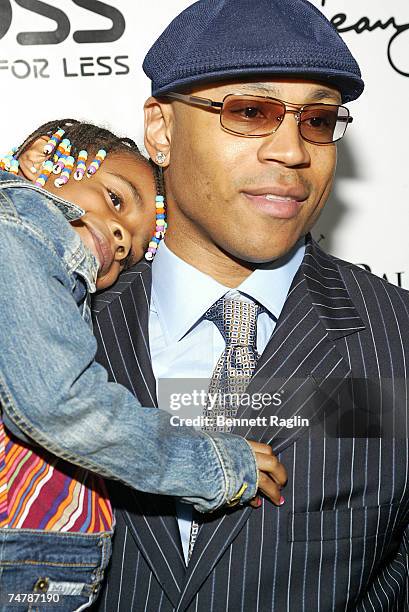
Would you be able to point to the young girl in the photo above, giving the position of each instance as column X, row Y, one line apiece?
column 55, row 519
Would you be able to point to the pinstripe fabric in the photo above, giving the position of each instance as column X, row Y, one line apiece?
column 341, row 541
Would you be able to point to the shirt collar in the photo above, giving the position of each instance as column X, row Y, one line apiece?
column 71, row 211
column 90, row 266
column 79, row 257
column 82, row 259
column 172, row 277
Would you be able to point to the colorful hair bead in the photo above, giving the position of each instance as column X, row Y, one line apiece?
column 7, row 159
column 81, row 165
column 58, row 152
column 45, row 173
column 160, row 229
column 95, row 164
column 54, row 141
column 14, row 164
column 63, row 152
column 66, row 173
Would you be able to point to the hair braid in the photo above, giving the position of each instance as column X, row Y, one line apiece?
column 83, row 135
column 92, row 138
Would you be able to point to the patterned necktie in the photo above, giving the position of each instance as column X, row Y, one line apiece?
column 237, row 322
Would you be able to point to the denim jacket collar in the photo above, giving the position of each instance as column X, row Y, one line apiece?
column 76, row 257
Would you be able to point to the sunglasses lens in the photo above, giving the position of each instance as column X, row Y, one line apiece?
column 323, row 124
column 251, row 116
column 255, row 116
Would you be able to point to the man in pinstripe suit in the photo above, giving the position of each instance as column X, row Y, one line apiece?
column 246, row 178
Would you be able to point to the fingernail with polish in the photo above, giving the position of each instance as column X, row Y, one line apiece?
column 282, row 500
column 259, row 502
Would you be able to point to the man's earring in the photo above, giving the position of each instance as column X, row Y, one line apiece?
column 160, row 157
column 33, row 169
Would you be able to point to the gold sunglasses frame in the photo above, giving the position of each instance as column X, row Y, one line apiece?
column 212, row 104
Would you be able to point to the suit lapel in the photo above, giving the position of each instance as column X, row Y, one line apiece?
column 301, row 368
column 121, row 318
column 300, row 363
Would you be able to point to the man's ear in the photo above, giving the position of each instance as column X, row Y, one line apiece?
column 158, row 121
column 31, row 160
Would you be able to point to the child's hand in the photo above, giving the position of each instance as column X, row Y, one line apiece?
column 273, row 474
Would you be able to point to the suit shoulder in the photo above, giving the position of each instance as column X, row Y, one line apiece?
column 377, row 301
column 364, row 277
column 137, row 276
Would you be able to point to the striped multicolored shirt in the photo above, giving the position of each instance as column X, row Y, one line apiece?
column 38, row 491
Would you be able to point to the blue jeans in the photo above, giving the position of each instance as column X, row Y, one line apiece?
column 46, row 571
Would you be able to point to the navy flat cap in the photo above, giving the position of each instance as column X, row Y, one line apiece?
column 215, row 40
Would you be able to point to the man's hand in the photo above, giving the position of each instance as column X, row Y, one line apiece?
column 273, row 475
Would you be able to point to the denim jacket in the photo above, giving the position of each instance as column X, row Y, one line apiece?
column 53, row 392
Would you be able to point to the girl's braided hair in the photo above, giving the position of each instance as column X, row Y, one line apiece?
column 91, row 137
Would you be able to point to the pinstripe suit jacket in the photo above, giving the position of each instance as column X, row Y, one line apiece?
column 341, row 541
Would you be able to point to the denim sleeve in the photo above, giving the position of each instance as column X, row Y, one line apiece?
column 54, row 392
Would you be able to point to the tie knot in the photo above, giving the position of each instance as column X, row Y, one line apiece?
column 236, row 320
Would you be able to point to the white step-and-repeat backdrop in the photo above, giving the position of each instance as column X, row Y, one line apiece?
column 82, row 58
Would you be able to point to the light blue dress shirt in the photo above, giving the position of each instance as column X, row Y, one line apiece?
column 184, row 345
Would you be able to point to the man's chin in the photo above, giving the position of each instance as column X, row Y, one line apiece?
column 254, row 256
